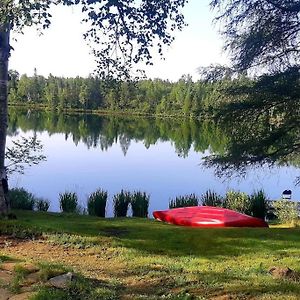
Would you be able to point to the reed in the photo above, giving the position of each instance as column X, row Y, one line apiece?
column 238, row 201
column 184, row 201
column 96, row 203
column 140, row 203
column 211, row 198
column 42, row 204
column 68, row 202
column 121, row 202
column 259, row 204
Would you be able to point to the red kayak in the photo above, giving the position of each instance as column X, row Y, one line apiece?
column 207, row 216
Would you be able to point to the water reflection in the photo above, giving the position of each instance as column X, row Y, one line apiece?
column 102, row 132
column 160, row 156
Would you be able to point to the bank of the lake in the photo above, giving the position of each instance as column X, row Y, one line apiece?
column 145, row 259
column 133, row 113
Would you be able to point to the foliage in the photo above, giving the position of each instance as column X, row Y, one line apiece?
column 21, row 199
column 211, row 198
column 184, row 201
column 144, row 96
column 68, row 202
column 26, row 151
column 271, row 37
column 126, row 44
column 42, row 204
column 285, row 210
column 261, row 117
column 238, row 201
column 121, row 202
column 262, row 113
column 139, row 203
column 96, row 203
column 259, row 204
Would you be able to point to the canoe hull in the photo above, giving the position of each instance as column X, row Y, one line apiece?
column 207, row 216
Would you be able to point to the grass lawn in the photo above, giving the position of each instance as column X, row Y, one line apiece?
column 146, row 259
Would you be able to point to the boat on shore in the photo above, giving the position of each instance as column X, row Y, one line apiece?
column 207, row 216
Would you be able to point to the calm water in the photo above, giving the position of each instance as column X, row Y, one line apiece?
column 162, row 157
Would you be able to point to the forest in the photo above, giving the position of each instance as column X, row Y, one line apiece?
column 151, row 96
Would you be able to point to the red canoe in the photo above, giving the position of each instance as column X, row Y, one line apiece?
column 207, row 216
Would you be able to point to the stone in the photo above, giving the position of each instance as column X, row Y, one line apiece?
column 5, row 294
column 32, row 278
column 8, row 266
column 61, row 281
column 5, row 277
column 25, row 289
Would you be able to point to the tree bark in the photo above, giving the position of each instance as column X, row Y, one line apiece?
column 4, row 56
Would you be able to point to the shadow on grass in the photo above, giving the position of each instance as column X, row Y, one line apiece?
column 150, row 236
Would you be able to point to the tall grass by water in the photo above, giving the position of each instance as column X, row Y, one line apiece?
column 211, row 198
column 237, row 201
column 96, row 204
column 184, row 201
column 255, row 205
column 121, row 202
column 68, row 202
column 42, row 204
column 259, row 204
column 139, row 203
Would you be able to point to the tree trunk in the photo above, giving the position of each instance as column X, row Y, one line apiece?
column 4, row 55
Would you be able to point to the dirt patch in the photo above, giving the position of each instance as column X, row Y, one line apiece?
column 7, row 241
column 90, row 262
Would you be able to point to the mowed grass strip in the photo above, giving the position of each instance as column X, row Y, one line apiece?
column 165, row 261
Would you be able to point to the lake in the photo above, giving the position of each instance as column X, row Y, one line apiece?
column 163, row 157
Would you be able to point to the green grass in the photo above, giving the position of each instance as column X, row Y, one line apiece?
column 177, row 262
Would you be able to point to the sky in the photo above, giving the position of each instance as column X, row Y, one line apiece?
column 62, row 51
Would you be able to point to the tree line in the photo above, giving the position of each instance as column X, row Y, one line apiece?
column 157, row 96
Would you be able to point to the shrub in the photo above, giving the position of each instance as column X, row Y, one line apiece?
column 68, row 202
column 21, row 199
column 259, row 204
column 211, row 198
column 121, row 202
column 42, row 204
column 286, row 210
column 238, row 201
column 184, row 201
column 140, row 204
column 96, row 203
